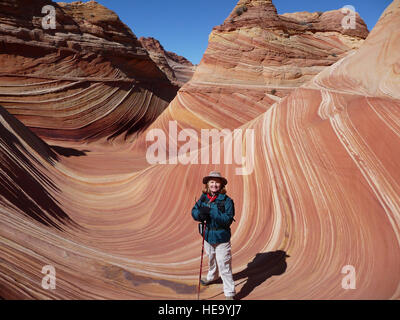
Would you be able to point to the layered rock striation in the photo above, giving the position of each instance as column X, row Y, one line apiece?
column 178, row 69
column 323, row 197
column 89, row 78
column 253, row 60
column 256, row 46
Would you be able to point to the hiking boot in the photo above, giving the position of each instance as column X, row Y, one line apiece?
column 205, row 282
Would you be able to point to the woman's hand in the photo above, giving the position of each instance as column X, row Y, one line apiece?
column 204, row 213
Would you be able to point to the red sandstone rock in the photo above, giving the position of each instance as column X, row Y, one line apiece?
column 261, row 48
column 255, row 59
column 177, row 68
column 324, row 191
column 90, row 78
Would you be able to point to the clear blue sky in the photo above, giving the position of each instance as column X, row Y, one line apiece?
column 183, row 26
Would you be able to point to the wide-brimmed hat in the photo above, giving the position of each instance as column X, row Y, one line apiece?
column 215, row 174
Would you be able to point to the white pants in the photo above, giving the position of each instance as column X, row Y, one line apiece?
column 219, row 255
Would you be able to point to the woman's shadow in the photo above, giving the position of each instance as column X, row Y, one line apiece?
column 263, row 266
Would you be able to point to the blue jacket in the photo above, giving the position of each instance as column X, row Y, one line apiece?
column 221, row 216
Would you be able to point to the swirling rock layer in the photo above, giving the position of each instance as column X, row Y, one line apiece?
column 89, row 78
column 323, row 195
column 253, row 60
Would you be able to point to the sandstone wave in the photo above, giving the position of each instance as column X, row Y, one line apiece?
column 323, row 193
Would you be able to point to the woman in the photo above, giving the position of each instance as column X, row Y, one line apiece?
column 217, row 210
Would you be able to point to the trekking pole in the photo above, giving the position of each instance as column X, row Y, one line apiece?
column 202, row 251
column 201, row 262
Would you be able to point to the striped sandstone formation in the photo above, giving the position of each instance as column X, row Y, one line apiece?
column 178, row 69
column 90, row 78
column 253, row 60
column 323, row 194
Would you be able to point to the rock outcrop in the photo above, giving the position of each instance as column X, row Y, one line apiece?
column 88, row 78
column 257, row 47
column 253, row 60
column 178, row 69
column 323, row 197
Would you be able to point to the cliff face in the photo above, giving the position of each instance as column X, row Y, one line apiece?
column 177, row 68
column 256, row 58
column 89, row 78
column 256, row 46
column 262, row 13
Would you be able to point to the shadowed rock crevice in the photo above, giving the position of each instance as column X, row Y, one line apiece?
column 21, row 182
column 21, row 132
column 69, row 152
